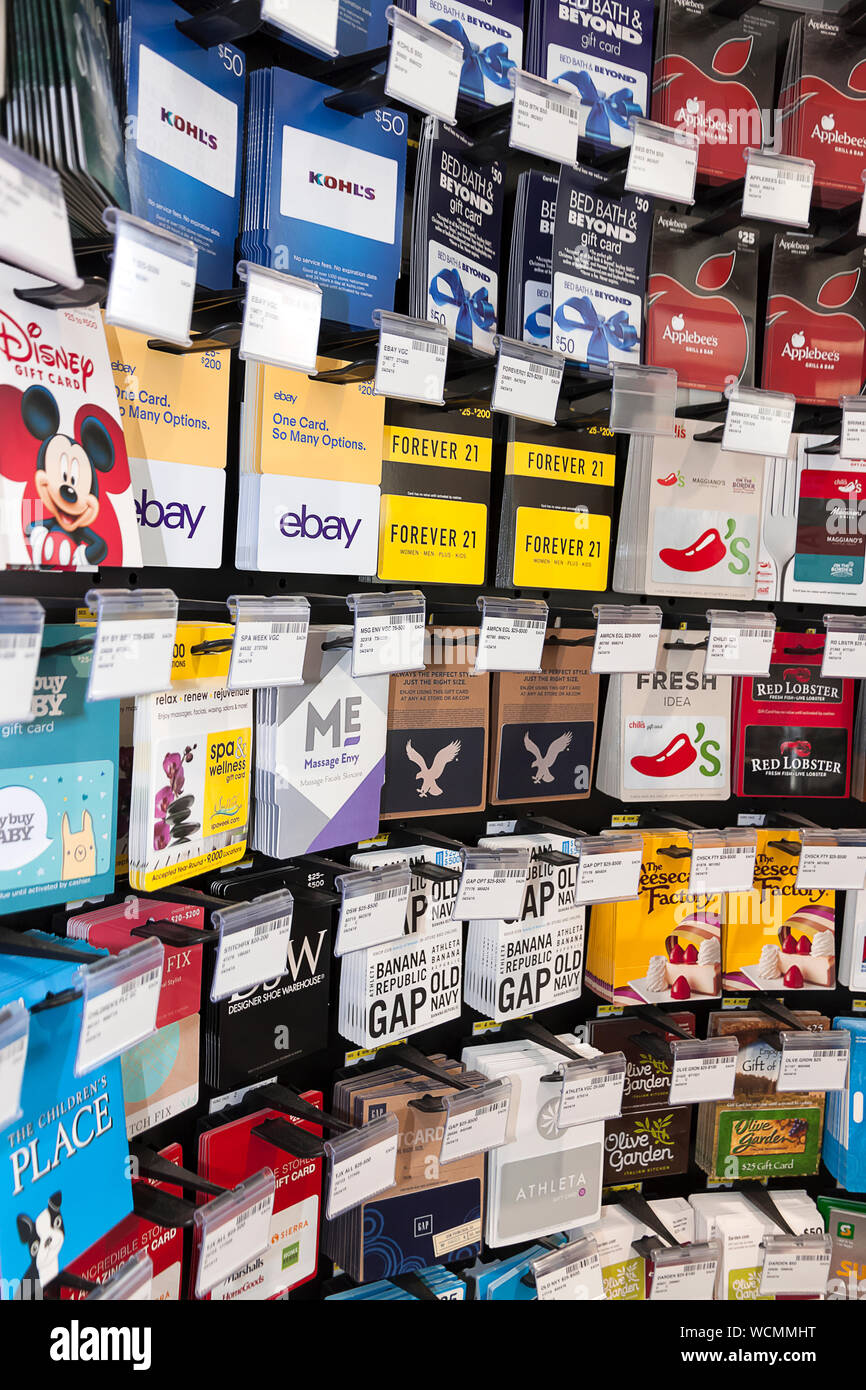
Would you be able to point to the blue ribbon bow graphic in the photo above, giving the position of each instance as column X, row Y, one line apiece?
column 617, row 107
column 491, row 63
column 538, row 324
column 604, row 333
column 471, row 308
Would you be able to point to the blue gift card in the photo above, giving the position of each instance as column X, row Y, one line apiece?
column 603, row 50
column 492, row 37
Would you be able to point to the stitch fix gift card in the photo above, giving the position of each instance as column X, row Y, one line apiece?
column 64, row 476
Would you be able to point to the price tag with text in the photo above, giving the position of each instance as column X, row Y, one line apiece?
column 363, row 1163
column 131, row 657
column 281, row 320
column 387, row 642
column 14, row 1034
column 795, row 1264
column 722, row 868
column 778, row 188
column 591, row 1090
column 544, row 122
column 31, row 197
column 490, row 888
column 268, row 652
column 611, row 875
column 571, row 1274
column 831, row 866
column 475, row 1123
column 695, row 1078
column 152, row 284
column 678, row 1276
column 510, row 644
column 844, row 653
column 625, row 645
column 373, row 909
column 852, row 445
column 758, row 423
column 423, row 71
column 253, row 945
column 121, row 997
column 738, row 650
column 19, row 662
column 804, row 1067
column 411, row 364
column 662, row 162
column 233, row 1229
column 316, row 23
column 527, row 382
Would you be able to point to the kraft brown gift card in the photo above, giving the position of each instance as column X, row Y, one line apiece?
column 544, row 724
column 436, row 748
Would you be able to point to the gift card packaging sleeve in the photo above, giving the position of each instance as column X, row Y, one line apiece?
column 545, row 725
column 823, row 106
column 492, row 37
column 846, row 1224
column 845, row 1133
column 648, row 1143
column 647, row 1077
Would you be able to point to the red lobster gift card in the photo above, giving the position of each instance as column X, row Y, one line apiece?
column 701, row 303
column 815, row 332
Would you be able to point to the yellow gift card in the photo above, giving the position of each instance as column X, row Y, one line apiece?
column 313, row 429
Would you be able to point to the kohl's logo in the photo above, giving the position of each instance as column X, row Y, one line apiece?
column 342, row 185
column 676, row 332
column 798, row 350
column 310, row 526
column 77, row 1343
column 174, row 516
column 185, row 127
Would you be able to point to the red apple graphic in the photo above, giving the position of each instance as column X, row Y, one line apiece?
column 715, row 272
column 836, row 341
column 798, row 340
column 804, row 946
column 857, row 77
column 792, row 978
column 680, row 988
column 731, row 57
column 823, row 109
column 678, row 323
column 676, row 80
column 691, row 956
column 677, row 954
column 707, row 365
column 838, row 289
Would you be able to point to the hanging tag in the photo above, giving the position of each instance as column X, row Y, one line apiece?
column 362, row 1164
column 270, row 640
column 861, row 224
column 570, row 1274
column 233, row 1229
column 492, row 883
column 609, row 868
column 22, row 621
column 832, row 859
column 778, row 188
column 312, row 21
column 685, row 1273
column 411, row 358
column 545, row 118
column 723, row 861
column 512, row 634
column 152, row 283
column 703, row 1069
column 134, row 643
column 796, row 1264
column 121, row 997
column 132, row 1282
column 626, row 639
column 253, row 943
column 14, row 1035
column 527, row 381
column 740, row 644
column 389, row 632
column 852, row 445
column 643, row 400
column 662, row 162
column 475, row 1120
column 844, row 646
column 424, row 65
column 373, row 909
column 814, row 1061
column 591, row 1090
column 758, row 422
column 281, row 320
column 34, row 224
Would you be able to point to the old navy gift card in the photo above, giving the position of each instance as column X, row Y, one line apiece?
column 604, row 49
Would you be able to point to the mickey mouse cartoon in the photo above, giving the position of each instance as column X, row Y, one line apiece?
column 44, row 1238
column 67, row 481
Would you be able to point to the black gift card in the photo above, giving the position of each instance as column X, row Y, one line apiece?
column 436, row 768
column 794, row 760
column 544, row 759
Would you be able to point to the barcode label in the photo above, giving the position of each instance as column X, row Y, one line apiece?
column 438, row 348
column 385, row 895
column 139, row 982
column 263, row 930
column 18, row 641
column 278, row 629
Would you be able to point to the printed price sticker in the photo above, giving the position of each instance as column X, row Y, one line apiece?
column 250, row 955
column 692, row 1281
column 371, row 918
column 13, row 1057
column 510, row 644
column 778, row 189
column 268, row 653
column 362, row 1175
column 314, row 22
column 660, row 166
column 578, row 1281
column 234, row 1243
column 475, row 1130
column 281, row 321
column 844, row 654
column 28, row 201
column 795, row 1271
column 387, row 642
column 19, row 662
column 608, row 877
column 544, row 125
column 411, row 368
column 526, row 388
column 853, row 441
column 758, row 428
column 149, row 291
column 625, row 647
column 422, row 72
column 115, row 1019
column 702, row 1078
column 813, row 1069
column 589, row 1094
column 492, row 891
column 739, row 651
column 722, row 869
column 832, row 866
column 131, row 657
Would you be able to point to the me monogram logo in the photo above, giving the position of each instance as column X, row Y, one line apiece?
column 342, row 722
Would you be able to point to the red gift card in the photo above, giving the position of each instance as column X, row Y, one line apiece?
column 815, row 332
column 824, row 108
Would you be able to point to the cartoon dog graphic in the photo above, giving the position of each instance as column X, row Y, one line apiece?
column 44, row 1239
column 428, row 776
column 67, row 481
column 79, row 848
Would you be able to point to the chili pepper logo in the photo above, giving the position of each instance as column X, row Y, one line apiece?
column 708, row 551
column 679, row 755
column 671, row 480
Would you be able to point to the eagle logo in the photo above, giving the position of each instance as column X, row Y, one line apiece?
column 543, row 762
column 428, row 775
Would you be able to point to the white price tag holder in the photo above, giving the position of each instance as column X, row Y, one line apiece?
column 832, row 859
column 253, row 943
column 373, row 907
column 362, row 1162
column 740, row 644
column 702, row 1069
column 758, row 422
column 121, row 997
column 723, row 861
column 411, row 358
column 134, row 643
column 152, row 283
column 545, row 117
column 476, row 1120
column 492, row 883
column 685, row 1272
column 844, row 646
column 281, row 319
column 571, row 1274
column 14, row 1036
column 269, row 642
column 796, row 1264
column 132, row 1283
column 852, row 445
column 608, row 870
column 662, row 162
column 512, row 634
column 626, row 638
column 34, row 223
column 389, row 632
column 813, row 1061
column 527, row 380
column 643, row 400
column 22, row 621
column 312, row 23
column 424, row 65
column 778, row 188
column 592, row 1089
column 232, row 1229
